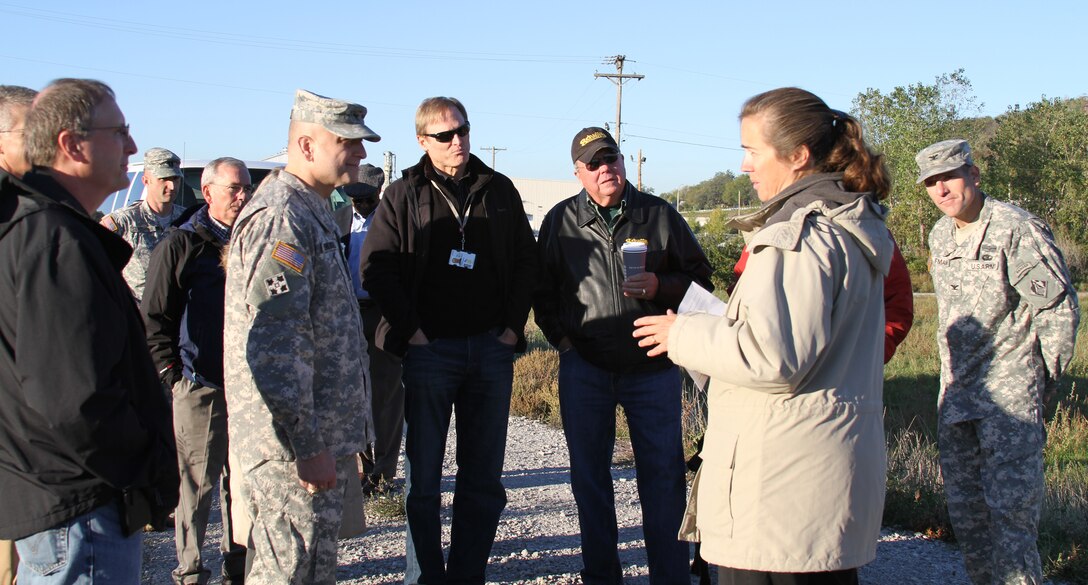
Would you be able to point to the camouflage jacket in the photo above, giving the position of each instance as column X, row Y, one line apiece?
column 295, row 360
column 140, row 227
column 1007, row 315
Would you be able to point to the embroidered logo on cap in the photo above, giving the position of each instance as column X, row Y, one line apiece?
column 591, row 138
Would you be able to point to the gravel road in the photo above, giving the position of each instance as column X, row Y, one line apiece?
column 538, row 539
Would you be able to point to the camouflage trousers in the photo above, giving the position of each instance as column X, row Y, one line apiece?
column 993, row 479
column 294, row 533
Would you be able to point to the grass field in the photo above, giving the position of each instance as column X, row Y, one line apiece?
column 915, row 497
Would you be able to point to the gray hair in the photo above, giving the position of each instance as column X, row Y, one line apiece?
column 65, row 104
column 211, row 170
column 13, row 95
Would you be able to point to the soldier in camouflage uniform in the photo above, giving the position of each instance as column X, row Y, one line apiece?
column 143, row 224
column 1007, row 323
column 297, row 404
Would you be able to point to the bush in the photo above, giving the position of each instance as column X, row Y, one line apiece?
column 536, row 386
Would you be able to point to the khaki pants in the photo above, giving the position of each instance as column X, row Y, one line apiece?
column 200, row 427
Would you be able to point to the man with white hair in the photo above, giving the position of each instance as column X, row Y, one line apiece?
column 183, row 309
column 14, row 103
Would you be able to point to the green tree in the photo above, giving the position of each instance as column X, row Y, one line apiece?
column 721, row 245
column 739, row 192
column 904, row 121
column 1038, row 159
column 713, row 193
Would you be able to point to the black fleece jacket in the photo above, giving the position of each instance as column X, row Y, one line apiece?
column 398, row 248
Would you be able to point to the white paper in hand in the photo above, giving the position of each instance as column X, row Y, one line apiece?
column 700, row 300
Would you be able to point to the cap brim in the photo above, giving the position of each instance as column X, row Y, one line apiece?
column 353, row 131
column 938, row 170
column 589, row 154
column 162, row 173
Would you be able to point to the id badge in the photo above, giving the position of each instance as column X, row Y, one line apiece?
column 462, row 259
column 468, row 260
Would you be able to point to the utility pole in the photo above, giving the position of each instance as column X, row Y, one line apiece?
column 390, row 166
column 618, row 78
column 641, row 159
column 492, row 149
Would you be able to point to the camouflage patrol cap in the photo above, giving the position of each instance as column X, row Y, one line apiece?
column 944, row 156
column 343, row 119
column 161, row 163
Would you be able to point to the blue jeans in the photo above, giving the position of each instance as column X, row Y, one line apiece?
column 472, row 376
column 588, row 397
column 85, row 550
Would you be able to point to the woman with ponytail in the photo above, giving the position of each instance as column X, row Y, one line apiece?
column 791, row 489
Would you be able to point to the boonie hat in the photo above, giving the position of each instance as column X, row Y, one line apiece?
column 161, row 163
column 944, row 156
column 343, row 119
column 589, row 141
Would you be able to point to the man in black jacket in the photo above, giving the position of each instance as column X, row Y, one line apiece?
column 586, row 308
column 87, row 454
column 183, row 308
column 450, row 260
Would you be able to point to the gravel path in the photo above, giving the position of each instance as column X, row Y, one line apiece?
column 538, row 541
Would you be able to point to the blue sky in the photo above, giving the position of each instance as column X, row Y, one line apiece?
column 211, row 79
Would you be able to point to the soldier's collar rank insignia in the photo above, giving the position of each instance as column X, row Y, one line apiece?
column 276, row 285
column 289, row 256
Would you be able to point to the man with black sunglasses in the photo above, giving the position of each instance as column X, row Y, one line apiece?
column 586, row 306
column 450, row 260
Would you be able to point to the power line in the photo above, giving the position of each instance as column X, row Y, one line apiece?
column 225, row 37
column 687, row 143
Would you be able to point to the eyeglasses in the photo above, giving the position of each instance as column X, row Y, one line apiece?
column 235, row 189
column 608, row 159
column 447, row 136
column 121, row 130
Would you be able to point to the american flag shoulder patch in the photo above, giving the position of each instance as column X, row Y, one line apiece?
column 289, row 256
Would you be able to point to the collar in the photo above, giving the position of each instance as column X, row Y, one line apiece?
column 632, row 206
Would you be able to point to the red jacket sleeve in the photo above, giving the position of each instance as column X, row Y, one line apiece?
column 898, row 304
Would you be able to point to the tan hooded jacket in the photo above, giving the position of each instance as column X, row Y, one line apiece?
column 794, row 463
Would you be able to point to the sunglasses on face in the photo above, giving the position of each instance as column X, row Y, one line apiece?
column 447, row 136
column 608, row 159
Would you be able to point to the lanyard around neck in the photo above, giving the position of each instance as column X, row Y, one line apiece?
column 462, row 219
